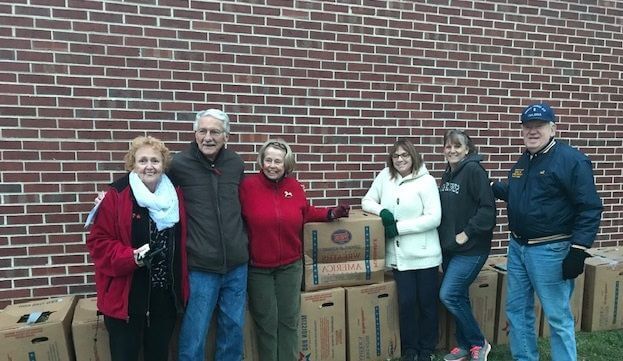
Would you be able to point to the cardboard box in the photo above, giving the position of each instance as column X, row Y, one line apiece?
column 322, row 326
column 39, row 330
column 346, row 252
column 373, row 331
column 576, row 307
column 498, row 263
column 483, row 298
column 89, row 332
column 603, row 292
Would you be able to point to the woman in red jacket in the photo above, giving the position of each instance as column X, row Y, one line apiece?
column 138, row 245
column 275, row 208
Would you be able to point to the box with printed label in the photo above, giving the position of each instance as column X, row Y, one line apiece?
column 89, row 332
column 346, row 252
column 603, row 292
column 373, row 329
column 38, row 330
column 322, row 326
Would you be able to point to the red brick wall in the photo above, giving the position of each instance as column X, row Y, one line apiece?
column 79, row 79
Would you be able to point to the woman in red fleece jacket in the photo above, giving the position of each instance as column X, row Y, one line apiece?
column 275, row 208
column 140, row 293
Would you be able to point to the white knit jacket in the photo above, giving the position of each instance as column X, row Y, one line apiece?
column 414, row 202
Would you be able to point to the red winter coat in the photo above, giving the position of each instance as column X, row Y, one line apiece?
column 110, row 246
column 275, row 213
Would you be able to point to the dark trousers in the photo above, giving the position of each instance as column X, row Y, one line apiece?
column 417, row 308
column 127, row 338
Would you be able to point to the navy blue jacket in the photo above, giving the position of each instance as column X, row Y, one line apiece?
column 552, row 192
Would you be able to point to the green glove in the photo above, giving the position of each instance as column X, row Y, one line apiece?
column 391, row 231
column 387, row 217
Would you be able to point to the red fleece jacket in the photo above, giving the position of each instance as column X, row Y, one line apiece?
column 275, row 213
column 110, row 246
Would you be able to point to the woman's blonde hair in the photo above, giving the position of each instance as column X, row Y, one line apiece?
column 288, row 160
column 146, row 141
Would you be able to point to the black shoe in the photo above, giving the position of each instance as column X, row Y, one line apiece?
column 426, row 357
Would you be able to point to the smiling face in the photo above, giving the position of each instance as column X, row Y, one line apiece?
column 148, row 166
column 273, row 165
column 402, row 161
column 536, row 134
column 210, row 136
column 455, row 151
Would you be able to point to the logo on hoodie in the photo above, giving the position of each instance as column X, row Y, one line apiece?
column 450, row 187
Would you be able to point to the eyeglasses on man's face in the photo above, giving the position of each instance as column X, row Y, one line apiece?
column 214, row 133
column 404, row 156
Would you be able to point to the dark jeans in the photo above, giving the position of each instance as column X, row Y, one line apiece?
column 459, row 273
column 127, row 338
column 417, row 308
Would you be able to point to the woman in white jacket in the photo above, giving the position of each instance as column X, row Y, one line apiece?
column 406, row 198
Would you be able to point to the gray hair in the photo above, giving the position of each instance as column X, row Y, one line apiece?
column 214, row 113
column 288, row 160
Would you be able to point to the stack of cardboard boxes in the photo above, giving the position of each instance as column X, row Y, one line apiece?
column 356, row 320
column 348, row 310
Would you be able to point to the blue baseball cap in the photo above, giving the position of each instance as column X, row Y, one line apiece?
column 542, row 112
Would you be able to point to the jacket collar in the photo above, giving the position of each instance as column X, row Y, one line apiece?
column 194, row 148
column 270, row 182
column 544, row 150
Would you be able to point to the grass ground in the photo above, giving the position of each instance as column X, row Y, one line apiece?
column 592, row 346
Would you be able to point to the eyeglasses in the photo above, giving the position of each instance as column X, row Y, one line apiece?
column 213, row 132
column 404, row 156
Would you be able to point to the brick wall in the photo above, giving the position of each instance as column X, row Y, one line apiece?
column 340, row 82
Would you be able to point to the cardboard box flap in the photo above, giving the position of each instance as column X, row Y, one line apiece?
column 37, row 313
column 86, row 311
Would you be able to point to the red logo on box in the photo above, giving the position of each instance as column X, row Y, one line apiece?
column 341, row 236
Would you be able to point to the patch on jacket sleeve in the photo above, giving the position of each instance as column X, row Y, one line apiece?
column 517, row 173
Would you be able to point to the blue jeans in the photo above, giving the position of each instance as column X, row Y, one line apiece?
column 207, row 290
column 417, row 310
column 458, row 274
column 539, row 268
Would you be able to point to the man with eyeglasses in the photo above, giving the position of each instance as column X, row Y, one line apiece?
column 553, row 217
column 209, row 175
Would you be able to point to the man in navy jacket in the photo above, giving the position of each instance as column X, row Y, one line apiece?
column 554, row 213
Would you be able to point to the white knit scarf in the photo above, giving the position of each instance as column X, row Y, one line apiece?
column 162, row 204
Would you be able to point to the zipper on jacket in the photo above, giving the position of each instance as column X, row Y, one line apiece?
column 147, row 310
column 278, row 218
column 172, row 238
column 219, row 217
